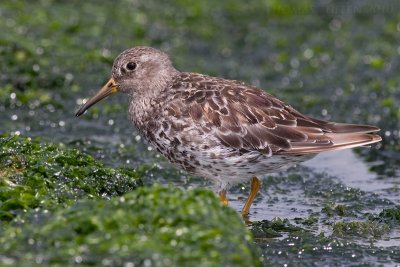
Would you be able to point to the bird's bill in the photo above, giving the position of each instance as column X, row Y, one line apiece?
column 108, row 89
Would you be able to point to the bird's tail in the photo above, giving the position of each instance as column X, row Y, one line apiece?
column 334, row 136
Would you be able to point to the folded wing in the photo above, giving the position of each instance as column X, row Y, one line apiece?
column 246, row 118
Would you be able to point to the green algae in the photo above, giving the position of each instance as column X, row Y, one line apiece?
column 340, row 210
column 360, row 229
column 274, row 228
column 29, row 75
column 72, row 209
column 153, row 226
column 390, row 216
column 40, row 175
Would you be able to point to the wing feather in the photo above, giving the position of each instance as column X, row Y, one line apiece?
column 246, row 118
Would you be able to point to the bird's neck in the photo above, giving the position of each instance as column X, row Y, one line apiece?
column 144, row 107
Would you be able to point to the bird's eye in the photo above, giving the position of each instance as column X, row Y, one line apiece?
column 131, row 66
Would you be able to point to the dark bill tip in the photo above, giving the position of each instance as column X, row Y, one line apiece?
column 108, row 89
column 80, row 111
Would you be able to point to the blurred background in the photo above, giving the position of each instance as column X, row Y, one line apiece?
column 334, row 60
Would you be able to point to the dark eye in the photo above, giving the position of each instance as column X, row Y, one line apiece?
column 131, row 66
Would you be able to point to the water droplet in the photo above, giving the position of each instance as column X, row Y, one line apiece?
column 335, row 25
column 285, row 81
column 81, row 101
column 105, row 52
column 36, row 67
column 50, row 108
column 308, row 53
column 147, row 262
column 39, row 259
column 278, row 67
column 78, row 259
column 294, row 62
column 10, row 23
column 69, row 77
column 293, row 73
column 39, row 50
column 300, row 84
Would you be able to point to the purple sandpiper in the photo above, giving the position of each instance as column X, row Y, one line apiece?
column 223, row 130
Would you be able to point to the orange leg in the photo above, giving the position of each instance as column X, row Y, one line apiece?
column 255, row 187
column 223, row 198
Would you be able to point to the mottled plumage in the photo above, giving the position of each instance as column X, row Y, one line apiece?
column 224, row 130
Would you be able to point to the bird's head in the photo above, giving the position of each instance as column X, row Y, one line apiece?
column 139, row 71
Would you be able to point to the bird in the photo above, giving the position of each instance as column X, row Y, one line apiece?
column 224, row 130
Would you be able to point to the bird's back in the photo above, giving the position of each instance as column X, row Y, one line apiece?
column 245, row 118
